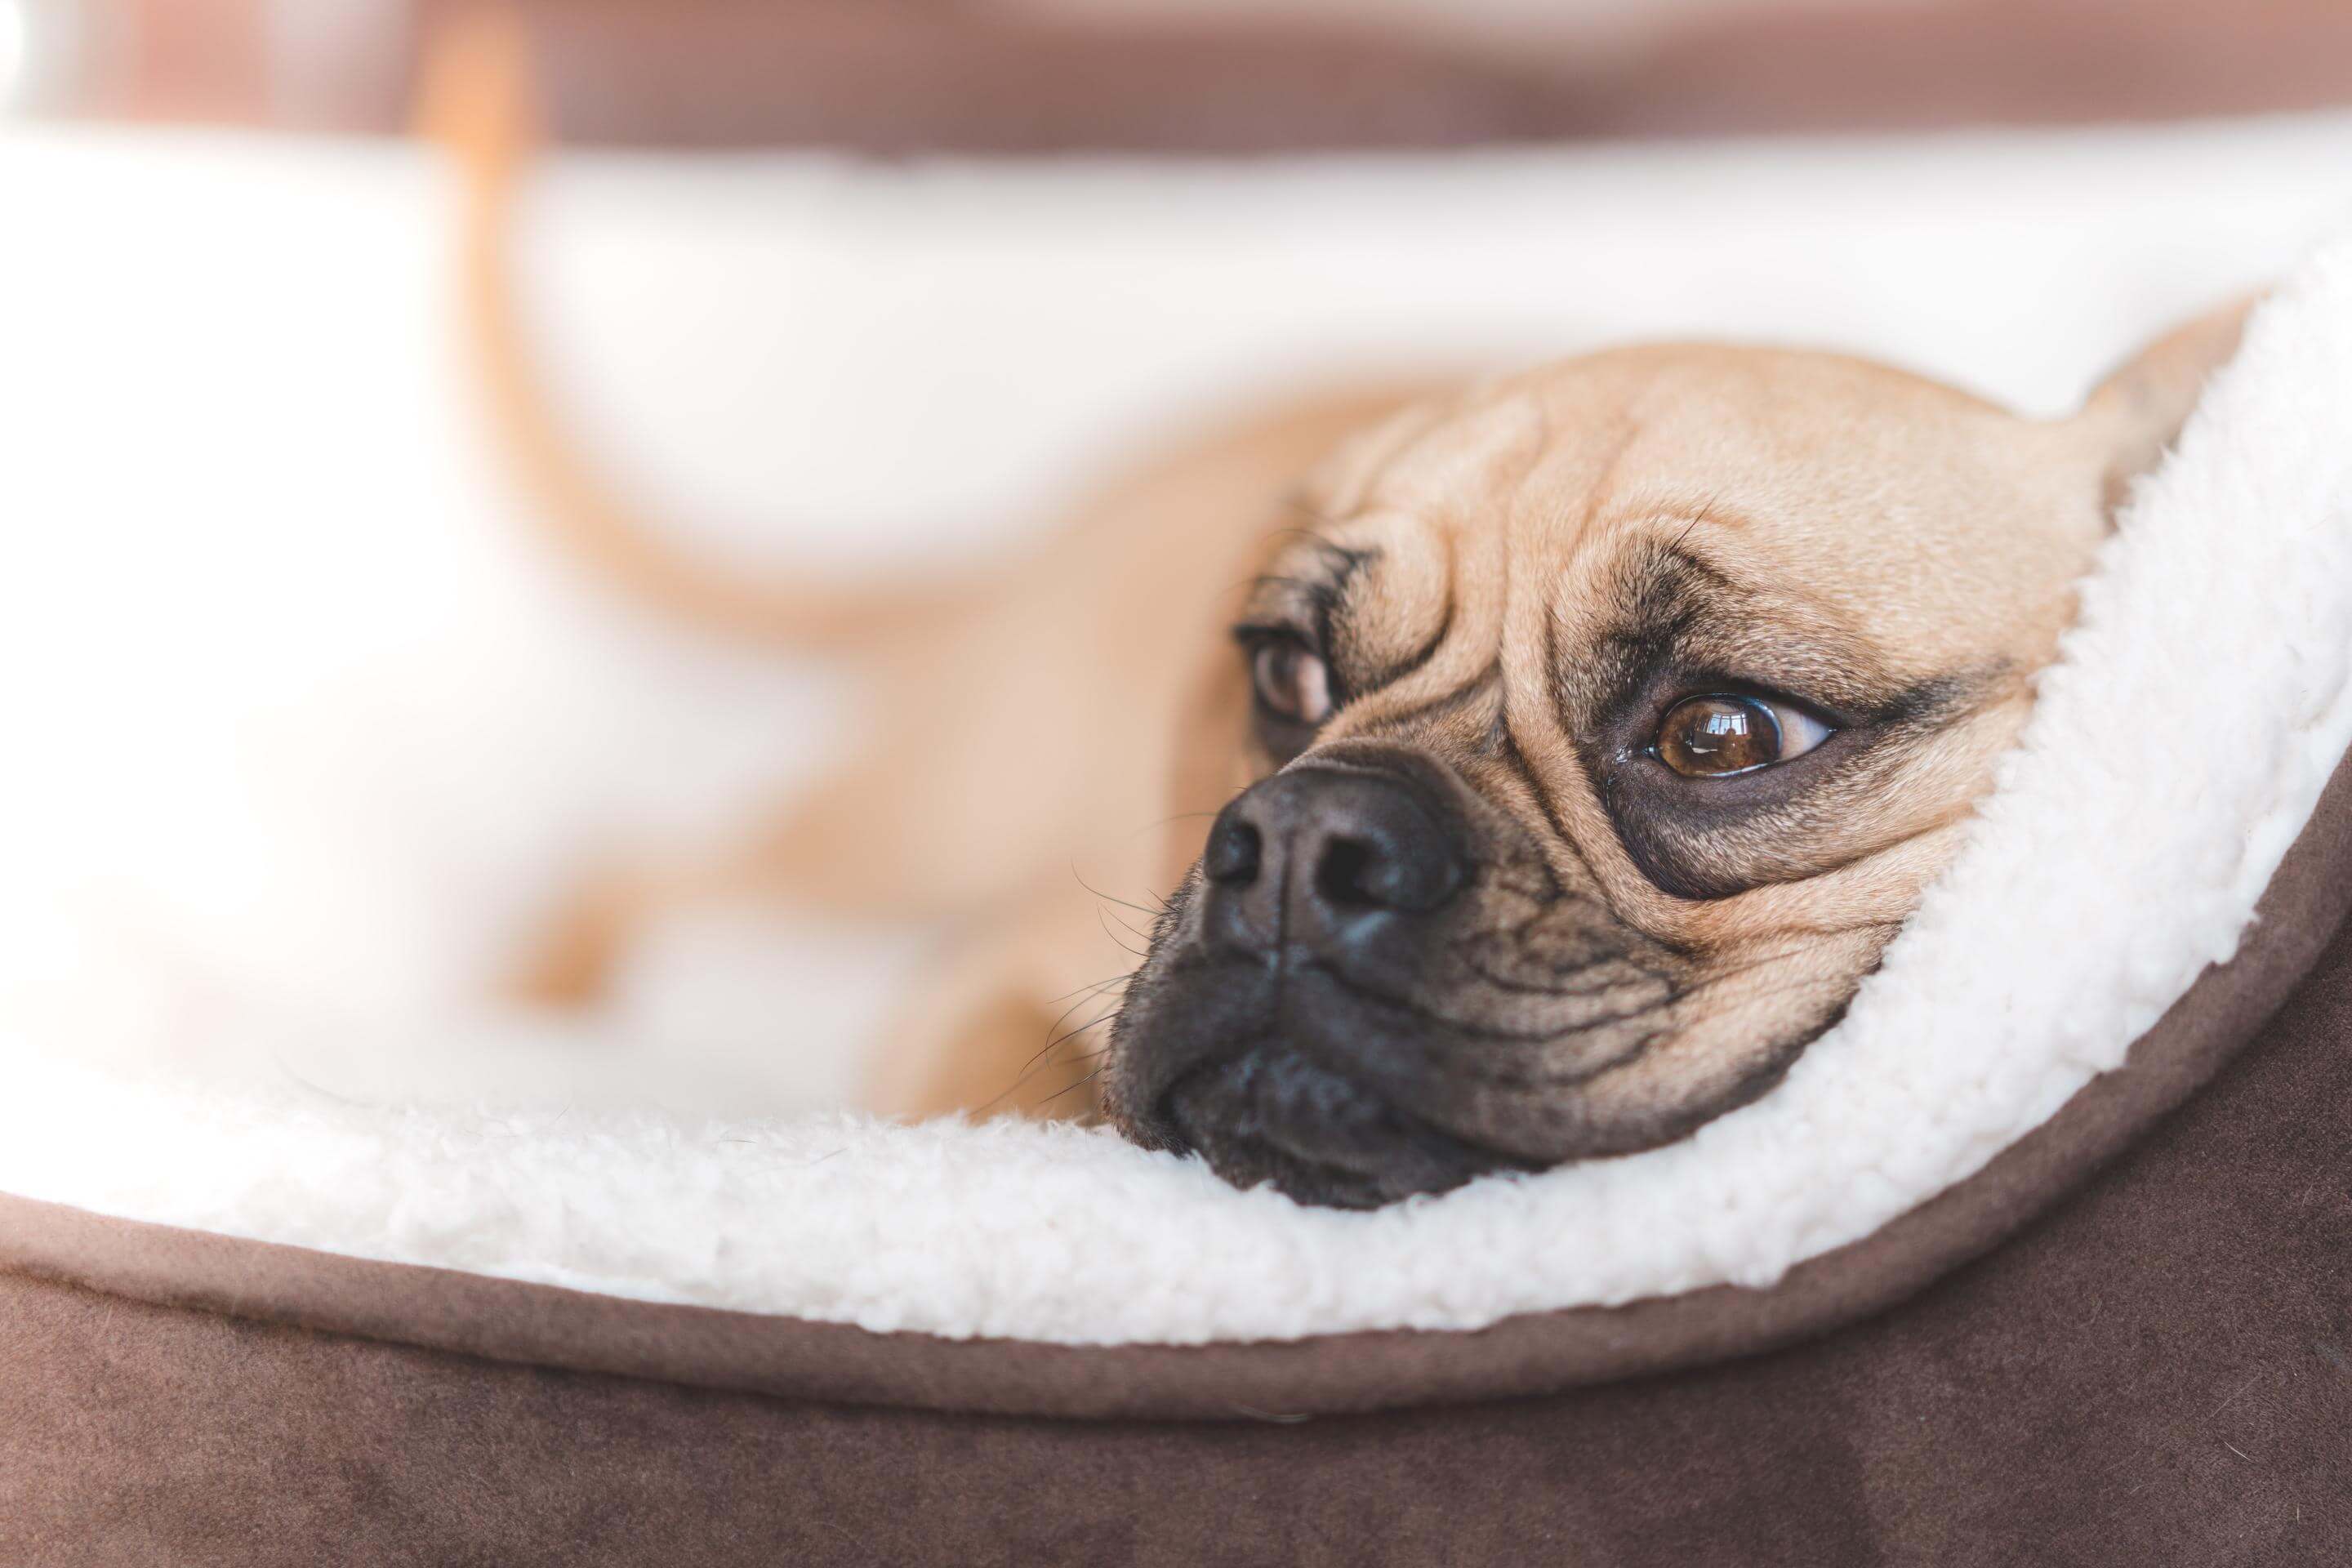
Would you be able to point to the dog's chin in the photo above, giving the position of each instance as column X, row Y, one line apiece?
column 1248, row 1069
column 1270, row 1115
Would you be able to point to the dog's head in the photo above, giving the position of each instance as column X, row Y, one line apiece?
column 1605, row 725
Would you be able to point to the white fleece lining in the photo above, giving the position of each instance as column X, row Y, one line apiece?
column 2112, row 864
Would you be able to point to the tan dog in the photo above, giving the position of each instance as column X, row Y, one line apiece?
column 1593, row 730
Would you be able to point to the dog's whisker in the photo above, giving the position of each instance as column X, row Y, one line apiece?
column 1054, row 1036
column 1095, row 1023
column 1043, row 1057
column 1063, row 1017
column 1119, row 979
column 1178, row 816
column 1705, row 507
column 1112, row 897
column 1067, row 1087
column 1101, row 920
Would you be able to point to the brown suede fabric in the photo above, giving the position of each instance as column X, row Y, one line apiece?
column 912, row 76
column 997, row 75
column 2159, row 1371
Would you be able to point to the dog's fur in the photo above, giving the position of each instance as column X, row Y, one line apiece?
column 1507, row 589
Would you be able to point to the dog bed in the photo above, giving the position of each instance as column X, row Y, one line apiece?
column 2039, row 1255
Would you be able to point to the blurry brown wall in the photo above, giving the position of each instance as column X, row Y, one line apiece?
column 1030, row 75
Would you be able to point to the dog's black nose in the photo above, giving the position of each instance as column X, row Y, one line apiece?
column 1314, row 856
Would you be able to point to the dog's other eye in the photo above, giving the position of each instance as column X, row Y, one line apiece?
column 1716, row 736
column 1293, row 684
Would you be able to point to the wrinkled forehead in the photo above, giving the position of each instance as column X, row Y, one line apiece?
column 1648, row 483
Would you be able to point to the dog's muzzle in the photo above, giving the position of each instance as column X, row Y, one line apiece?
column 1314, row 884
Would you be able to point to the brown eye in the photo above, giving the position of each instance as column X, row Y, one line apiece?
column 1714, row 737
column 1292, row 683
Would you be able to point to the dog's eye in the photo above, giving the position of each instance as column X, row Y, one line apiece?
column 1714, row 737
column 1293, row 685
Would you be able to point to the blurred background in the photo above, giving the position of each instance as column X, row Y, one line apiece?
column 1223, row 76
column 306, row 728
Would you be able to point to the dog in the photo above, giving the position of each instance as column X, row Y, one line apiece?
column 1571, row 748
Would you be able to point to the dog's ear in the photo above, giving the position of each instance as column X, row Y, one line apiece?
column 2132, row 417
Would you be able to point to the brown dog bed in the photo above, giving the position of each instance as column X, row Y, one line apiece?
column 2039, row 1257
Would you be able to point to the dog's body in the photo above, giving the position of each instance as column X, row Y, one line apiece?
column 1029, row 765
column 1589, row 735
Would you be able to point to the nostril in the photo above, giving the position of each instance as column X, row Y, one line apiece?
column 1345, row 875
column 1416, row 881
column 1367, row 873
column 1232, row 852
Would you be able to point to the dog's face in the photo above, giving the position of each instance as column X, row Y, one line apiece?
column 1606, row 724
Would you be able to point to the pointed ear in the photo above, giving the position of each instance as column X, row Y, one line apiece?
column 2133, row 414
